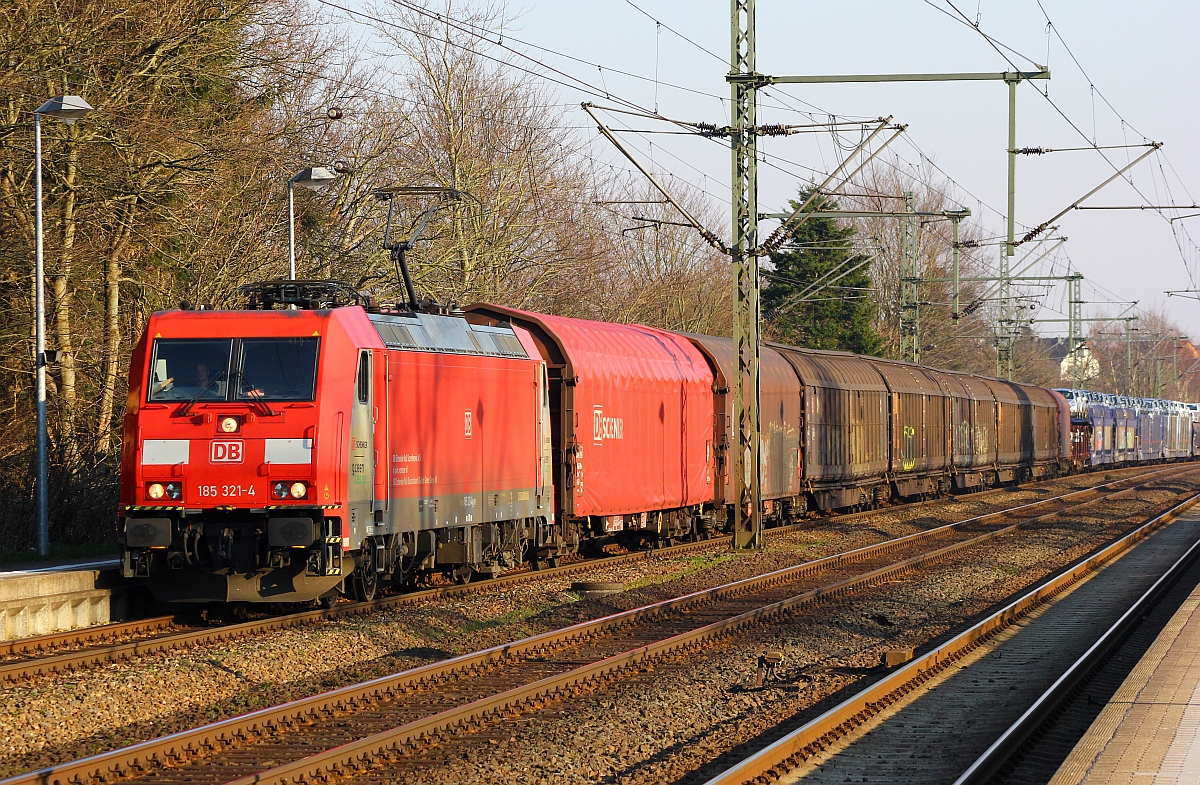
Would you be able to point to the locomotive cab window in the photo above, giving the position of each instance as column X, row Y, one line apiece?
column 277, row 369
column 364, row 377
column 189, row 369
column 224, row 369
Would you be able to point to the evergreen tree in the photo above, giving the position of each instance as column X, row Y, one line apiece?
column 836, row 315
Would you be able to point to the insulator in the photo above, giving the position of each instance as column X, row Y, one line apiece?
column 1035, row 232
column 710, row 129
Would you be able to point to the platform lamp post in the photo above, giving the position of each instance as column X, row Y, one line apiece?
column 66, row 109
column 315, row 178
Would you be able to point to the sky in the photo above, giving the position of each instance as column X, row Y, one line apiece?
column 1122, row 74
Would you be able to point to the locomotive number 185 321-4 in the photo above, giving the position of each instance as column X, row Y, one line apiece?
column 219, row 491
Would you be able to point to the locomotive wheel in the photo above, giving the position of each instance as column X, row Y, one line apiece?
column 364, row 583
column 327, row 601
column 363, row 587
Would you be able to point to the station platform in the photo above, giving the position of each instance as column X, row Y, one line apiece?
column 38, row 599
column 1149, row 731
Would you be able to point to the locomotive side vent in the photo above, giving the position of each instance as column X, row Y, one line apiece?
column 508, row 344
column 396, row 334
column 445, row 334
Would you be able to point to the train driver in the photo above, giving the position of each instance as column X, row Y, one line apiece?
column 205, row 380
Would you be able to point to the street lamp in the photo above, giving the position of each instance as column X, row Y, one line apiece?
column 67, row 109
column 314, row 178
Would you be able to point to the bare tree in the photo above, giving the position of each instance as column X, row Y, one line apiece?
column 522, row 231
column 661, row 273
column 1151, row 358
column 176, row 173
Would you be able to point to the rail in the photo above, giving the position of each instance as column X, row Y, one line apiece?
column 989, row 763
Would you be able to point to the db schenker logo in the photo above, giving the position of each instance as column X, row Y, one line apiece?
column 230, row 451
column 606, row 427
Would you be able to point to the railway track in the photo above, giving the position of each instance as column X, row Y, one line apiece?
column 96, row 646
column 350, row 727
column 1001, row 680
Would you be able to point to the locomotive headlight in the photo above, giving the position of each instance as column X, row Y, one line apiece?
column 156, row 490
column 174, row 491
column 229, row 424
column 280, row 490
column 298, row 490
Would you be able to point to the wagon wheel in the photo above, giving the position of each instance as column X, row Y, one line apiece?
column 365, row 580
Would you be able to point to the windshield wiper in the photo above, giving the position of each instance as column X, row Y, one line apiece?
column 187, row 407
column 254, row 394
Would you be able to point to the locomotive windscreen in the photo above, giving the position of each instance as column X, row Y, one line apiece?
column 233, row 369
column 277, row 369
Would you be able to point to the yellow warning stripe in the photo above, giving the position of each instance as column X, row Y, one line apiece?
column 228, row 507
column 300, row 505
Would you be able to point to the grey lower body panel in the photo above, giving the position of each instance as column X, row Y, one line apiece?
column 466, row 509
column 285, row 584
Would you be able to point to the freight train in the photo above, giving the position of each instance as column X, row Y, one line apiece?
column 316, row 443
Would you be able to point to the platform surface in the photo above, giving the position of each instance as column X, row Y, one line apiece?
column 1149, row 732
column 65, row 565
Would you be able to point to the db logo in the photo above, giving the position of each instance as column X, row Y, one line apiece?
column 226, row 452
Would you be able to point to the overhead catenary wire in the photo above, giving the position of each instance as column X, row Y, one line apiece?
column 483, row 34
column 1045, row 95
column 572, row 81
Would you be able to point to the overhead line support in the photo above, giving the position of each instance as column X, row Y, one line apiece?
column 910, row 297
column 746, row 466
column 607, row 133
column 1035, row 231
column 744, row 249
column 1004, row 332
